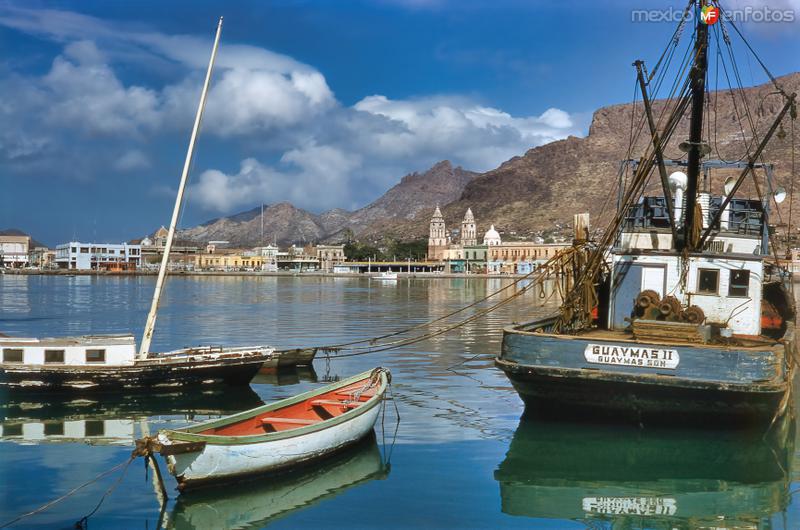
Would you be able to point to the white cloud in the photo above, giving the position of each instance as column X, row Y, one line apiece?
column 265, row 105
column 132, row 160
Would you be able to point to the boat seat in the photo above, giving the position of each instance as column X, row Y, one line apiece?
column 293, row 421
column 352, row 394
column 318, row 402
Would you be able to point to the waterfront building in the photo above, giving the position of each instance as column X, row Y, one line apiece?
column 96, row 256
column 234, row 260
column 14, row 251
column 42, row 258
column 330, row 256
column 520, row 257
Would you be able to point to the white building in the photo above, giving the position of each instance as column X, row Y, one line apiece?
column 14, row 251
column 86, row 256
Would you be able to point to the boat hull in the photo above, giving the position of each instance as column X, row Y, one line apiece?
column 556, row 377
column 142, row 376
column 223, row 459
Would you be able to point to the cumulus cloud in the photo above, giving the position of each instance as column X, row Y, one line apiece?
column 299, row 143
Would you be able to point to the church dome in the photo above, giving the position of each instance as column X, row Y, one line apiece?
column 491, row 237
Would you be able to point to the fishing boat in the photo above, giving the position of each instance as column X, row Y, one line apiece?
column 276, row 437
column 112, row 362
column 256, row 504
column 612, row 476
column 681, row 311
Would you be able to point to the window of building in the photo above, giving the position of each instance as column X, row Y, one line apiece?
column 54, row 356
column 708, row 281
column 74, row 249
column 95, row 356
column 740, row 283
column 12, row 355
column 84, row 250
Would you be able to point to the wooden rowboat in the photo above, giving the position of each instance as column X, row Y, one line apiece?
column 274, row 437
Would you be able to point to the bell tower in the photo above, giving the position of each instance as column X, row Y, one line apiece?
column 469, row 235
column 437, row 236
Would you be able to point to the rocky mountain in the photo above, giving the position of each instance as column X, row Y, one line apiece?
column 541, row 190
column 286, row 224
column 535, row 193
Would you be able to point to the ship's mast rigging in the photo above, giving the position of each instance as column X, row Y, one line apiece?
column 697, row 78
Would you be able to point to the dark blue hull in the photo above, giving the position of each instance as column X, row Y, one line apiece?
column 611, row 377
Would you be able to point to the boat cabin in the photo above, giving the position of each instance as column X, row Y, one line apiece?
column 723, row 284
column 104, row 350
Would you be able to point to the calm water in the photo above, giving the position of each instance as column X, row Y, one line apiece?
column 462, row 457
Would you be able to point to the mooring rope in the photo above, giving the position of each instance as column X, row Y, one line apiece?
column 557, row 268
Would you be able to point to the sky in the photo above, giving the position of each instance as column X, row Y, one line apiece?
column 323, row 104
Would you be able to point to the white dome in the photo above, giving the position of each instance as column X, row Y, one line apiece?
column 491, row 237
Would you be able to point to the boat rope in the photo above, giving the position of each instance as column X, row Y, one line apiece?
column 387, row 454
column 122, row 465
column 558, row 268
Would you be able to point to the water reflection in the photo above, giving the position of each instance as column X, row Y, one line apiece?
column 254, row 504
column 110, row 419
column 621, row 477
column 287, row 376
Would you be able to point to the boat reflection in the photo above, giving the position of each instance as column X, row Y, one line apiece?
column 619, row 477
column 255, row 503
column 110, row 419
column 290, row 375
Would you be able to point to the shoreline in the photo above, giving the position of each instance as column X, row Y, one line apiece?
column 319, row 274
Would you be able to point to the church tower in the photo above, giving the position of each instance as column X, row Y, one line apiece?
column 437, row 237
column 469, row 233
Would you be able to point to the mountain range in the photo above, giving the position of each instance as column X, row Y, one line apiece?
column 416, row 195
column 532, row 194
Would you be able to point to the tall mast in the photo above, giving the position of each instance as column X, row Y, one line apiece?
column 162, row 270
column 698, row 86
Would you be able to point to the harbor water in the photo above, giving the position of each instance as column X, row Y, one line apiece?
column 461, row 456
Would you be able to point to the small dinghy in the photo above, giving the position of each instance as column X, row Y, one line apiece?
column 274, row 437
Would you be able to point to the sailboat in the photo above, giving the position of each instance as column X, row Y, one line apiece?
column 112, row 362
column 679, row 311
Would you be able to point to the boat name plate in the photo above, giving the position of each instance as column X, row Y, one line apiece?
column 630, row 505
column 636, row 356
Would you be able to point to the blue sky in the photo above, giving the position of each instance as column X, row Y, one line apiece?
column 323, row 104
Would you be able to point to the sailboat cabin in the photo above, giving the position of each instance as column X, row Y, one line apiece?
column 106, row 350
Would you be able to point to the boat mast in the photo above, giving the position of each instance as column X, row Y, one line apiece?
column 695, row 153
column 162, row 270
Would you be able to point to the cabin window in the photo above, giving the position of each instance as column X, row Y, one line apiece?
column 95, row 428
column 54, row 356
column 708, row 281
column 54, row 429
column 12, row 430
column 95, row 356
column 12, row 355
column 740, row 283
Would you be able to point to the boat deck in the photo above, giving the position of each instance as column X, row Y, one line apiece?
column 737, row 341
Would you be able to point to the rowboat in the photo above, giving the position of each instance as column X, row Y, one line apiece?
column 274, row 437
column 256, row 504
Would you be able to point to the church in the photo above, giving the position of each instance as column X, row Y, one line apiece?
column 465, row 254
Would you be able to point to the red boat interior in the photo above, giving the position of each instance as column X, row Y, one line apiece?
column 313, row 410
